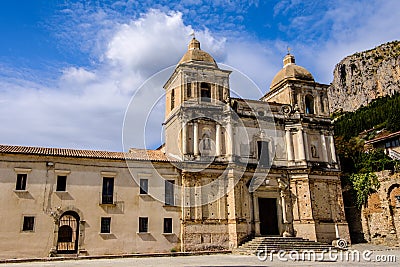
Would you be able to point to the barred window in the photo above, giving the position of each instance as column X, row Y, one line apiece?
column 61, row 183
column 105, row 225
column 167, row 225
column 29, row 223
column 21, row 181
column 143, row 224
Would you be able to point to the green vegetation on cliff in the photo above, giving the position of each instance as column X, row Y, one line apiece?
column 381, row 113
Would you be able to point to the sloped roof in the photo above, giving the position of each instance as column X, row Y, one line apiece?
column 133, row 154
column 383, row 138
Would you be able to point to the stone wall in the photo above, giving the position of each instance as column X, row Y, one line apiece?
column 381, row 216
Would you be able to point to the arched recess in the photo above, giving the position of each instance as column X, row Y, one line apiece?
column 309, row 101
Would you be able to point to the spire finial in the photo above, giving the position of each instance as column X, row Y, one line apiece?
column 288, row 50
column 193, row 34
column 194, row 44
column 289, row 58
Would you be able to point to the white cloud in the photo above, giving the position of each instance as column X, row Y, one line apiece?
column 84, row 107
column 78, row 75
column 155, row 40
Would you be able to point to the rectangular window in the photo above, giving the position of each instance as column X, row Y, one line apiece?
column 108, row 190
column 322, row 103
column 143, row 224
column 21, row 181
column 29, row 223
column 169, row 192
column 105, row 225
column 221, row 92
column 263, row 153
column 167, row 225
column 189, row 89
column 61, row 183
column 172, row 99
column 144, row 186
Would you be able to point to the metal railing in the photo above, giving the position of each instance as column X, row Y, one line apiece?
column 107, row 199
column 393, row 154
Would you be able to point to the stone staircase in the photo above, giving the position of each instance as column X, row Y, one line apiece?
column 281, row 243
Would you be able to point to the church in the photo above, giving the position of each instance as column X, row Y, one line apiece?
column 230, row 169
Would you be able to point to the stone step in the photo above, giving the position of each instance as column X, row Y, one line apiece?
column 284, row 245
column 281, row 243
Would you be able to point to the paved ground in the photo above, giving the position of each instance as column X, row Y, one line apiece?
column 374, row 256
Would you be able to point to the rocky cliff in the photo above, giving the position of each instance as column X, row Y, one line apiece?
column 362, row 77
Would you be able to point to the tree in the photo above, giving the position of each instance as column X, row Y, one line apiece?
column 393, row 123
column 364, row 184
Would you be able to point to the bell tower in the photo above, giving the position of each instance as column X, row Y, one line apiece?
column 295, row 85
column 197, row 93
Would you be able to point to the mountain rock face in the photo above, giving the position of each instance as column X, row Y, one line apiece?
column 362, row 77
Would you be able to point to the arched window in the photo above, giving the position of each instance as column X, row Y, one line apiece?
column 205, row 92
column 309, row 104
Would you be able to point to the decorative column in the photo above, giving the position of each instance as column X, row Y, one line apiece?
column 238, row 140
column 289, row 146
column 231, row 208
column 333, row 150
column 186, row 195
column 195, row 138
column 217, row 140
column 185, row 215
column 283, row 203
column 229, row 141
column 306, row 145
column 184, row 139
column 323, row 148
column 301, row 145
column 282, row 192
column 256, row 215
column 198, row 215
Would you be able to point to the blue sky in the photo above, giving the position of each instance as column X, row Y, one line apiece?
column 68, row 69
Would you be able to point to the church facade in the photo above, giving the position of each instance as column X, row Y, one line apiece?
column 230, row 169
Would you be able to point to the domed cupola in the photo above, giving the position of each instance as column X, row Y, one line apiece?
column 196, row 55
column 290, row 71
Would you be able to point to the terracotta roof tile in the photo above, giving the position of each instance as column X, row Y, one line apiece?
column 133, row 154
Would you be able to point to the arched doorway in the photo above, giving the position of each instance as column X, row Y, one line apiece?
column 68, row 232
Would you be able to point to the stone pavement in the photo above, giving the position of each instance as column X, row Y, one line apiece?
column 375, row 256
